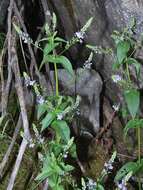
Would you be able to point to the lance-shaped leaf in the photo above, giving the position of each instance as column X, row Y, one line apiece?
column 48, row 120
column 62, row 129
column 132, row 98
column 122, row 49
column 60, row 60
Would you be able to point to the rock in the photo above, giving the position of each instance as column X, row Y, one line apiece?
column 3, row 12
column 88, row 85
column 108, row 16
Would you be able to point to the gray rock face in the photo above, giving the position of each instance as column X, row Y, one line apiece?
column 3, row 11
column 88, row 85
column 108, row 15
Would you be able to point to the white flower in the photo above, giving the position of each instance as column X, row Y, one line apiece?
column 40, row 140
column 91, row 184
column 25, row 37
column 116, row 107
column 87, row 65
column 40, row 99
column 116, row 78
column 32, row 82
column 59, row 117
column 65, row 155
column 29, row 82
column 108, row 166
column 80, row 35
column 122, row 185
column 31, row 143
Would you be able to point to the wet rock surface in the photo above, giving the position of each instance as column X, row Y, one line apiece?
column 87, row 84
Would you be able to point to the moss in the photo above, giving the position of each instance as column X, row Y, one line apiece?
column 27, row 172
column 98, row 157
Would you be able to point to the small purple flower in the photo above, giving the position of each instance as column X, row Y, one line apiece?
column 29, row 82
column 116, row 78
column 80, row 36
column 31, row 143
column 87, row 65
column 91, row 184
column 25, row 37
column 40, row 99
column 108, row 166
column 122, row 185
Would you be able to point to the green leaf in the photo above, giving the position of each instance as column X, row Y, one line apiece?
column 42, row 108
column 135, row 63
column 50, row 47
column 45, row 174
column 62, row 129
column 99, row 187
column 124, row 170
column 132, row 98
column 60, row 40
column 67, row 168
column 134, row 123
column 122, row 49
column 47, row 120
column 87, row 25
column 62, row 60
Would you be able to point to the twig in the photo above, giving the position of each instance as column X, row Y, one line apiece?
column 10, row 148
column 27, row 135
column 20, row 93
column 17, row 164
column 7, row 88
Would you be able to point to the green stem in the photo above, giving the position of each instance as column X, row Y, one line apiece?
column 127, row 71
column 139, row 145
column 56, row 79
column 139, row 153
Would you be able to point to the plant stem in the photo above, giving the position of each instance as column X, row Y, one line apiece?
column 127, row 71
column 139, row 145
column 139, row 153
column 56, row 79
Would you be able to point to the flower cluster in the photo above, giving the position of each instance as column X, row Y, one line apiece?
column 80, row 36
column 108, row 166
column 25, row 37
column 87, row 65
column 40, row 99
column 60, row 116
column 116, row 78
column 116, row 107
column 28, row 81
column 38, row 138
column 122, row 185
column 31, row 143
column 91, row 184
